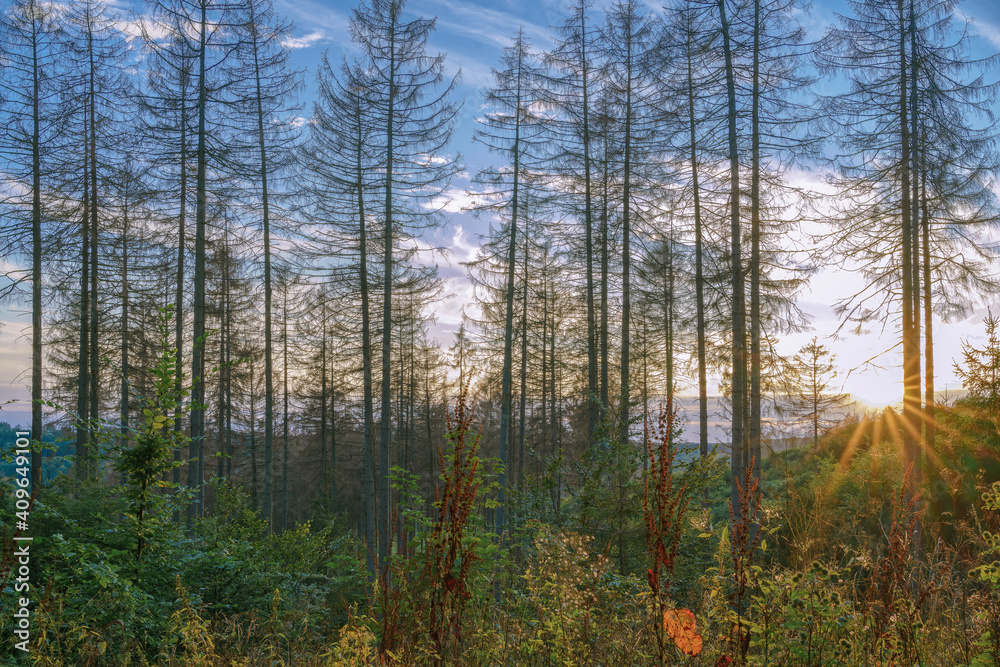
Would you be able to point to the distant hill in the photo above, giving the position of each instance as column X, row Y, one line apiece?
column 718, row 417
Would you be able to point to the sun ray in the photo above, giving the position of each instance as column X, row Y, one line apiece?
column 892, row 425
column 912, row 426
column 852, row 444
column 877, row 426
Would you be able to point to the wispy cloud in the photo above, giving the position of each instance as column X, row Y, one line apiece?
column 304, row 42
column 453, row 200
column 463, row 247
column 816, row 21
column 312, row 16
column 481, row 24
column 450, row 311
column 987, row 30
column 474, row 36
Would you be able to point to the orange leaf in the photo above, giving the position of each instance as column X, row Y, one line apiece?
column 724, row 661
column 679, row 624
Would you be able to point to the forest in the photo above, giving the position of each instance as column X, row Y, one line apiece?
column 248, row 445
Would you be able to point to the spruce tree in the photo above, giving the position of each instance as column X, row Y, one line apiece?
column 413, row 120
column 31, row 117
column 811, row 398
column 512, row 128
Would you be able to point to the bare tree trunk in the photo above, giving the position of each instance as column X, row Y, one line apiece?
column 916, row 415
column 911, row 355
column 228, row 380
column 323, row 470
column 605, row 276
column 36, row 271
column 179, row 293
column 645, row 394
column 198, row 353
column 333, row 446
column 699, row 283
column 915, row 229
column 83, row 380
column 739, row 443
column 543, row 449
column 123, row 407
column 755, row 231
column 588, row 216
column 220, row 441
column 626, row 245
column 254, row 475
column 385, row 416
column 268, row 298
column 523, row 399
column 284, row 414
column 506, row 385
column 929, row 409
column 366, row 365
column 94, row 348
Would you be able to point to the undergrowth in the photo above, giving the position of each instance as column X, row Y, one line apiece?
column 820, row 565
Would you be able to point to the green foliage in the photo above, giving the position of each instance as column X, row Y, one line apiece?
column 980, row 371
column 570, row 593
column 832, row 509
column 423, row 600
column 804, row 618
column 188, row 635
column 989, row 571
column 146, row 454
column 83, row 576
column 837, row 578
column 112, row 575
column 607, row 490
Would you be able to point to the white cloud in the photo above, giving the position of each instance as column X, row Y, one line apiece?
column 450, row 310
column 988, row 31
column 305, row 41
column 313, row 16
column 426, row 159
column 473, row 20
column 15, row 348
column 454, row 200
column 131, row 29
column 13, row 188
column 464, row 248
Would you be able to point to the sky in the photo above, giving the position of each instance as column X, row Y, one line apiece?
column 473, row 34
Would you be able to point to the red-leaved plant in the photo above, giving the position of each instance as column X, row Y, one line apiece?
column 423, row 601
column 664, row 506
column 746, row 536
column 449, row 556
